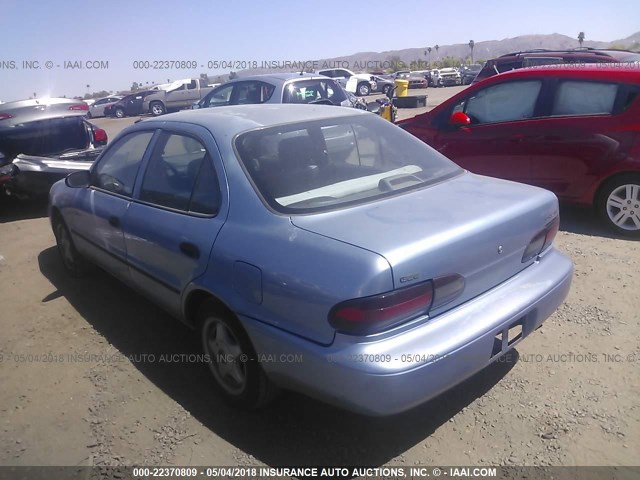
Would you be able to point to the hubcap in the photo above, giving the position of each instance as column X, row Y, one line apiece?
column 227, row 362
column 622, row 207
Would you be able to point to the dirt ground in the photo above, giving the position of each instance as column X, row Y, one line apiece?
column 88, row 376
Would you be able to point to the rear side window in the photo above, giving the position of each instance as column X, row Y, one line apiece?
column 252, row 92
column 309, row 91
column 584, row 98
column 510, row 101
column 172, row 171
column 118, row 167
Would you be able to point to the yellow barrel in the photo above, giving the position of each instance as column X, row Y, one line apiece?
column 402, row 87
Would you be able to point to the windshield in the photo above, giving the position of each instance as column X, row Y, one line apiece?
column 313, row 91
column 326, row 164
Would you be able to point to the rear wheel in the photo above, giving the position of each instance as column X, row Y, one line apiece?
column 386, row 89
column 119, row 113
column 619, row 205
column 157, row 108
column 73, row 262
column 233, row 362
column 363, row 89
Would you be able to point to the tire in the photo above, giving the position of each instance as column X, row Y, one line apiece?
column 74, row 264
column 363, row 89
column 386, row 89
column 619, row 205
column 119, row 113
column 233, row 362
column 157, row 108
column 89, row 115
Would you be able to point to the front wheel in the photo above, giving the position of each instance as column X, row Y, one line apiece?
column 119, row 113
column 386, row 89
column 73, row 262
column 619, row 205
column 157, row 108
column 232, row 360
column 363, row 89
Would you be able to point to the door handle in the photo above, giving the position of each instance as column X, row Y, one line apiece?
column 114, row 221
column 190, row 250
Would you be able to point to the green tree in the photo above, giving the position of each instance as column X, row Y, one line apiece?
column 135, row 86
column 205, row 78
column 581, row 37
column 437, row 47
column 232, row 75
column 471, row 45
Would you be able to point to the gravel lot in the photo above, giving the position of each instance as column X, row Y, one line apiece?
column 86, row 377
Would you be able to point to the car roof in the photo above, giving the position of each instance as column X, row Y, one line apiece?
column 230, row 120
column 580, row 51
column 603, row 71
column 278, row 77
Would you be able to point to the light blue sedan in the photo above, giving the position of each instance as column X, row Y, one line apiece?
column 318, row 249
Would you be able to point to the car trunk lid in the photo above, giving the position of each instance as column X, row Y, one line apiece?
column 474, row 226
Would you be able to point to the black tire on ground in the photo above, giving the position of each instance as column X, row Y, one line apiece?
column 119, row 113
column 233, row 362
column 74, row 263
column 618, row 204
column 386, row 89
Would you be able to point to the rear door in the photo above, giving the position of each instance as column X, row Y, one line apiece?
column 179, row 209
column 583, row 137
column 496, row 142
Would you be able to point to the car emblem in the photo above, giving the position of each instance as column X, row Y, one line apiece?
column 499, row 249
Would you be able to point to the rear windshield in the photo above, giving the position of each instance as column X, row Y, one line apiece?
column 44, row 137
column 326, row 164
column 313, row 91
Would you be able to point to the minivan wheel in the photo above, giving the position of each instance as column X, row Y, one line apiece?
column 232, row 360
column 157, row 108
column 119, row 113
column 73, row 262
column 619, row 205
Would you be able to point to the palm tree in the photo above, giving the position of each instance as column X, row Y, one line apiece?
column 437, row 47
column 581, row 37
column 471, row 44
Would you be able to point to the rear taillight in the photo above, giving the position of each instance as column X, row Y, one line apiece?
column 542, row 240
column 79, row 106
column 99, row 135
column 367, row 315
column 5, row 116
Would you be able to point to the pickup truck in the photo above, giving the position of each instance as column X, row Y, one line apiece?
column 359, row 83
column 175, row 96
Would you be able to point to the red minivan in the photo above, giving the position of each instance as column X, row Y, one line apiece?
column 574, row 130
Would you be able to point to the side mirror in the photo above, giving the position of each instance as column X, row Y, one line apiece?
column 81, row 179
column 459, row 119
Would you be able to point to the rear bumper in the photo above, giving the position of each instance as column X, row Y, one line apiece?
column 392, row 374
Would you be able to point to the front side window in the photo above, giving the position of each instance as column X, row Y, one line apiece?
column 505, row 102
column 172, row 171
column 584, row 98
column 325, row 164
column 116, row 172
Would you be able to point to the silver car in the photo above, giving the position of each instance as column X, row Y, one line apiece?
column 96, row 109
column 271, row 88
column 318, row 249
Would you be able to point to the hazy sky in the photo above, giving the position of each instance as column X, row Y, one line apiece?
column 121, row 32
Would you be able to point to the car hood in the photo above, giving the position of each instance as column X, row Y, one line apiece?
column 474, row 226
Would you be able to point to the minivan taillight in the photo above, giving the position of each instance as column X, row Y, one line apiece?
column 542, row 240
column 367, row 315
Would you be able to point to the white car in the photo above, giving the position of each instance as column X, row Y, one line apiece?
column 362, row 84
